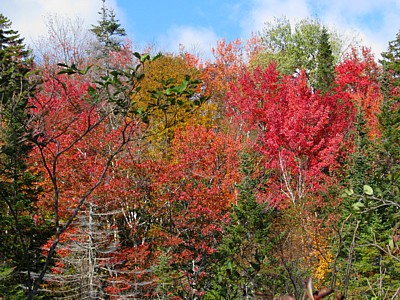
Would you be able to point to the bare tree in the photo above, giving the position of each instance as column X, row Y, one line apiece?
column 67, row 40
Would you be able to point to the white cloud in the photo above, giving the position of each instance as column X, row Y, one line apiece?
column 263, row 11
column 198, row 40
column 375, row 22
column 29, row 16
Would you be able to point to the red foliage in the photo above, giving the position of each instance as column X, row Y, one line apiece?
column 175, row 206
column 231, row 58
column 199, row 186
column 298, row 131
column 75, row 140
column 358, row 75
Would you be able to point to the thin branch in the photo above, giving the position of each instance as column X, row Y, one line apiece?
column 350, row 260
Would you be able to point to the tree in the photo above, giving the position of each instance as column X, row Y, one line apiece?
column 186, row 201
column 390, row 115
column 309, row 46
column 231, row 58
column 369, row 226
column 169, row 72
column 67, row 41
column 300, row 132
column 86, row 266
column 22, row 231
column 77, row 152
column 63, row 146
column 325, row 63
column 359, row 76
column 300, row 135
column 108, row 31
column 244, row 266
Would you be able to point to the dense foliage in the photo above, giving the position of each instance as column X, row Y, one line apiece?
column 129, row 176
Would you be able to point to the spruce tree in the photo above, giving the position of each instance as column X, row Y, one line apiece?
column 20, row 236
column 243, row 260
column 388, row 165
column 372, row 212
column 108, row 31
column 325, row 63
column 389, row 117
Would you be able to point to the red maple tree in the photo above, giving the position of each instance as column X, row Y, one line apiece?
column 298, row 131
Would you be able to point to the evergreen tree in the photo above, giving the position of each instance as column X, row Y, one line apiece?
column 325, row 63
column 387, row 174
column 243, row 261
column 369, row 238
column 85, row 267
column 353, row 258
column 20, row 235
column 389, row 117
column 108, row 31
column 309, row 46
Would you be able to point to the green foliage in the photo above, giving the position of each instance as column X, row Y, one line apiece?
column 369, row 260
column 20, row 235
column 108, row 31
column 309, row 46
column 244, row 265
column 325, row 63
column 8, row 288
column 168, row 279
column 362, row 158
column 389, row 117
column 388, row 164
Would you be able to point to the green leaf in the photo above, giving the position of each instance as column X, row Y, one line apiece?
column 92, row 92
column 158, row 55
column 172, row 100
column 86, row 70
column 140, row 76
column 170, row 81
column 137, row 55
column 391, row 244
column 180, row 88
column 145, row 57
column 358, row 205
column 347, row 192
column 368, row 190
column 115, row 73
column 62, row 65
column 169, row 91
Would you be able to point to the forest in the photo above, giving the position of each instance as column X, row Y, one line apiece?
column 270, row 171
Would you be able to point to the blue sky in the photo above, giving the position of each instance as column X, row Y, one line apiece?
column 198, row 25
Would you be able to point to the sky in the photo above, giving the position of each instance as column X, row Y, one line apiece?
column 167, row 25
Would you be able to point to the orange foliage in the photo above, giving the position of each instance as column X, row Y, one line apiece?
column 358, row 74
column 231, row 59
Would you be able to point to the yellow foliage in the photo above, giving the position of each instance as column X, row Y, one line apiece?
column 171, row 112
column 320, row 259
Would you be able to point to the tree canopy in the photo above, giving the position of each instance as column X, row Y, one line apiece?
column 130, row 175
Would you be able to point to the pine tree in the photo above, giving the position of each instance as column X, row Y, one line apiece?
column 20, row 236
